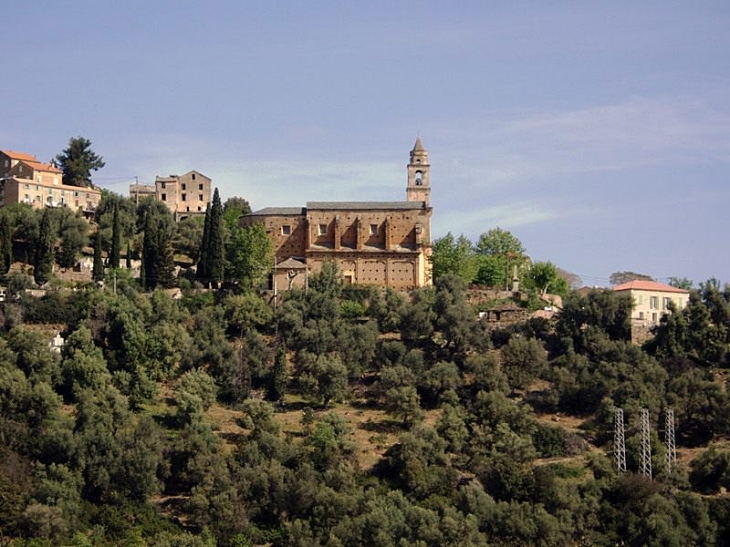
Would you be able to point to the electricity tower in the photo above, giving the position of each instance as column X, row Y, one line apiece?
column 619, row 444
column 669, row 438
column 645, row 444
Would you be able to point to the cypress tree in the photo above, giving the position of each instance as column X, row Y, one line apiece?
column 277, row 387
column 128, row 260
column 6, row 245
column 202, row 271
column 116, row 250
column 149, row 253
column 97, row 271
column 216, row 251
column 165, row 260
column 158, row 259
column 43, row 264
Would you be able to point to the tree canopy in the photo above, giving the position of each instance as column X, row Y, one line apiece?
column 78, row 161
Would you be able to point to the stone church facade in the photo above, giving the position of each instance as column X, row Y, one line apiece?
column 386, row 244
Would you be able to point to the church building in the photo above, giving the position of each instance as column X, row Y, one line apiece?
column 386, row 244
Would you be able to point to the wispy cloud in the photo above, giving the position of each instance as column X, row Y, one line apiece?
column 636, row 133
column 477, row 220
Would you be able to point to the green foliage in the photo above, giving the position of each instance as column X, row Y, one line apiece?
column 73, row 231
column 195, row 392
column 681, row 282
column 157, row 257
column 523, row 360
column 44, row 250
column 491, row 271
column 6, row 244
column 233, row 209
column 403, row 403
column 617, row 278
column 92, row 471
column 544, row 277
column 247, row 311
column 249, row 255
column 499, row 242
column 279, row 375
column 711, row 471
column 189, row 237
column 116, row 247
column 322, row 377
column 77, row 161
column 602, row 310
column 97, row 271
column 453, row 256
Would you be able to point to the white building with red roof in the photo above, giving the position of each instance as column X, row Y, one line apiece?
column 651, row 299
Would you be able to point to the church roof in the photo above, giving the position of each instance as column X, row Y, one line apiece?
column 364, row 205
column 284, row 211
column 418, row 147
column 340, row 206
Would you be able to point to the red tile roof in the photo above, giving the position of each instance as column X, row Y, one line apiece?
column 641, row 285
column 19, row 155
column 39, row 166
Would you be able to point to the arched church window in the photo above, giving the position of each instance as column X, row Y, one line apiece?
column 419, row 178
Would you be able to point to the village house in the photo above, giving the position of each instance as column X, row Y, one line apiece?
column 185, row 195
column 651, row 301
column 386, row 244
column 27, row 180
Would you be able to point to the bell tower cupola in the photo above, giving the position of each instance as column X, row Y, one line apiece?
column 419, row 186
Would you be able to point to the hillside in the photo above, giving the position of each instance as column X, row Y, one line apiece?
column 351, row 416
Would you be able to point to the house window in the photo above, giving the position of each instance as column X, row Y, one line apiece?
column 193, row 176
column 163, row 197
column 641, row 315
column 162, row 185
column 373, row 229
column 322, row 229
column 50, row 191
column 286, row 230
column 640, row 299
column 654, row 303
column 27, row 186
column 76, row 194
column 199, row 208
column 7, row 163
column 653, row 317
column 665, row 302
column 183, row 186
column 200, row 197
column 184, row 196
column 200, row 186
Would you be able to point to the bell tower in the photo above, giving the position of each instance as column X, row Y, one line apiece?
column 419, row 188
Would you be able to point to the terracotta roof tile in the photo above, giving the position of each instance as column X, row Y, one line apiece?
column 18, row 155
column 641, row 285
column 39, row 166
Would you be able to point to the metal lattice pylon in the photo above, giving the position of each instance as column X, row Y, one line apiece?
column 645, row 444
column 619, row 444
column 669, row 438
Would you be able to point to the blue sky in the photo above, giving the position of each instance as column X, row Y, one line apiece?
column 596, row 132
